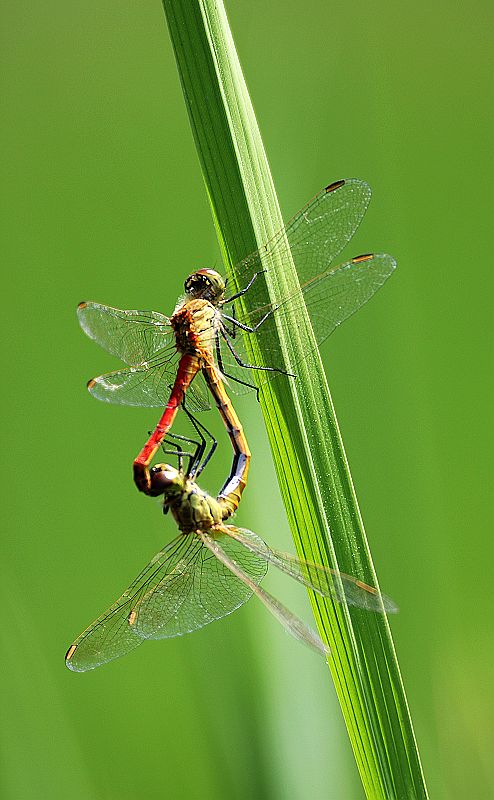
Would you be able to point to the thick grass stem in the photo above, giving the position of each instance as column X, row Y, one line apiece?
column 308, row 451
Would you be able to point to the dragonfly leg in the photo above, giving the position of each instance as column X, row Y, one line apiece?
column 243, row 291
column 176, row 449
column 195, row 457
column 253, row 366
column 233, row 331
column 180, row 453
column 197, row 461
column 236, row 323
column 196, row 468
column 249, row 328
column 219, row 358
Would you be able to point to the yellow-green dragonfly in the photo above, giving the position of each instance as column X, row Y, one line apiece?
column 206, row 572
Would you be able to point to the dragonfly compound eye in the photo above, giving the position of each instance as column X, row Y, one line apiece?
column 205, row 283
column 164, row 480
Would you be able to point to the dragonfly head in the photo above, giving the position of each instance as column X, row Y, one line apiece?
column 168, row 481
column 205, row 284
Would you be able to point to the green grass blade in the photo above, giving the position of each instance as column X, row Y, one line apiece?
column 310, row 460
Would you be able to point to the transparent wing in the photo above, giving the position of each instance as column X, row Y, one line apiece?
column 148, row 385
column 313, row 237
column 112, row 635
column 330, row 299
column 132, row 336
column 328, row 582
column 197, row 592
column 293, row 624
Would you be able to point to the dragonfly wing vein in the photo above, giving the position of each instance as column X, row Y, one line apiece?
column 132, row 336
column 327, row 582
column 111, row 635
column 197, row 593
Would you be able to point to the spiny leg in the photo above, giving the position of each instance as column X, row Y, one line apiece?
column 200, row 447
column 249, row 328
column 200, row 430
column 219, row 358
column 243, row 291
column 157, row 487
column 252, row 366
column 180, row 453
column 196, row 461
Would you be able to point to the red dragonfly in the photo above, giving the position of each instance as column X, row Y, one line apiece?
column 202, row 338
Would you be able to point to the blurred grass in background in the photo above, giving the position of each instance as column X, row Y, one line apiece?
column 102, row 198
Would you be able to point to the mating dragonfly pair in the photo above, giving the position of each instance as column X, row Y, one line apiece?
column 212, row 568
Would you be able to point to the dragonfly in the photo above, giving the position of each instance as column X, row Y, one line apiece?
column 208, row 571
column 167, row 353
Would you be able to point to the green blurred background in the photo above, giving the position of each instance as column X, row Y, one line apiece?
column 102, row 198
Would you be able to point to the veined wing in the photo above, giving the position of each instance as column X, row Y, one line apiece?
column 313, row 237
column 293, row 624
column 132, row 336
column 199, row 593
column 327, row 582
column 148, row 384
column 112, row 634
column 330, row 299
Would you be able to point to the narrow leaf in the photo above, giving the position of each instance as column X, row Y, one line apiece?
column 309, row 456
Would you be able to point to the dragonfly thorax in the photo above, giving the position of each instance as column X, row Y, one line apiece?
column 197, row 510
column 206, row 284
column 194, row 324
column 192, row 508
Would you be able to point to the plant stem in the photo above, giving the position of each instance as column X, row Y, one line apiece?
column 309, row 456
